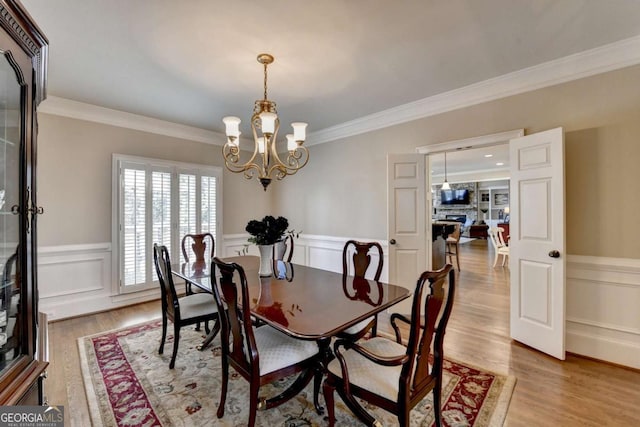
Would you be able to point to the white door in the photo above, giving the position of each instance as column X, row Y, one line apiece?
column 408, row 232
column 537, row 241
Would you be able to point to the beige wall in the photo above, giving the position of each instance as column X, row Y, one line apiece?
column 74, row 178
column 342, row 191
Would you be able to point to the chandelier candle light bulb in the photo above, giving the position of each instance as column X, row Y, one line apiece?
column 265, row 161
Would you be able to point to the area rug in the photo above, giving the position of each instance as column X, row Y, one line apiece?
column 129, row 384
column 464, row 240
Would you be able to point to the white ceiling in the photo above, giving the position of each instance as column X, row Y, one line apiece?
column 193, row 62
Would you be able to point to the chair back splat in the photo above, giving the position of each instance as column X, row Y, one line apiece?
column 198, row 246
column 358, row 263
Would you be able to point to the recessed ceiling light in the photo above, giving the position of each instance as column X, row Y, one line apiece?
column 488, row 155
column 499, row 164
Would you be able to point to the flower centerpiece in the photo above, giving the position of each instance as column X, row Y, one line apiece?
column 265, row 233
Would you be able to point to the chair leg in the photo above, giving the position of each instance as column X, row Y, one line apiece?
column 164, row 333
column 223, row 391
column 327, row 390
column 437, row 401
column 317, row 382
column 495, row 259
column 176, row 341
column 457, row 256
column 404, row 417
column 253, row 402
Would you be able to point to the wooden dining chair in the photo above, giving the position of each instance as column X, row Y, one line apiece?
column 356, row 260
column 388, row 374
column 197, row 243
column 187, row 310
column 453, row 244
column 283, row 250
column 260, row 355
column 499, row 246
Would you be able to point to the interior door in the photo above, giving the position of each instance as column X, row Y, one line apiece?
column 408, row 233
column 537, row 241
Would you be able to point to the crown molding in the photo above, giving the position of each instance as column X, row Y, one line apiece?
column 606, row 58
column 610, row 57
column 93, row 113
column 473, row 142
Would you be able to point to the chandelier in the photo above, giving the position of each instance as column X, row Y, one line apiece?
column 265, row 161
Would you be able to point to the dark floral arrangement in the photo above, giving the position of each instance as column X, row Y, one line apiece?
column 267, row 231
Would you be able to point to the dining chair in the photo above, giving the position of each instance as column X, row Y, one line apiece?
column 198, row 245
column 356, row 260
column 187, row 310
column 388, row 374
column 260, row 355
column 453, row 244
column 283, row 250
column 499, row 245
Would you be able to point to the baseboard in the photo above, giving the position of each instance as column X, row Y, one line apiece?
column 602, row 298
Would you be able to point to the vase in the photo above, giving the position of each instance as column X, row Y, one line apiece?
column 266, row 260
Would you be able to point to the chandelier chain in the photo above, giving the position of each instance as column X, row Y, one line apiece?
column 265, row 82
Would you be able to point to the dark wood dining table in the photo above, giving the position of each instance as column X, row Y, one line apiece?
column 301, row 301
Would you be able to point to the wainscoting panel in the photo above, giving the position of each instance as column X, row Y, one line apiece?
column 603, row 295
column 324, row 252
column 75, row 280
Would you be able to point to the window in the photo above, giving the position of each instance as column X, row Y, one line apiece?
column 159, row 201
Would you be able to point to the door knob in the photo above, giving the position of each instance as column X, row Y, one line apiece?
column 392, row 241
column 554, row 254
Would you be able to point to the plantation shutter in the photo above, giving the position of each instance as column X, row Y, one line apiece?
column 160, row 211
column 134, row 226
column 188, row 203
column 158, row 202
column 208, row 208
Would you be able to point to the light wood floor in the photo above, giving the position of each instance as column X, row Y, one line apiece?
column 575, row 392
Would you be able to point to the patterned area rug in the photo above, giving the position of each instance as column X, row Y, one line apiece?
column 129, row 384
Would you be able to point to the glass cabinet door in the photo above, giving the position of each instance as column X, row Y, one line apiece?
column 11, row 318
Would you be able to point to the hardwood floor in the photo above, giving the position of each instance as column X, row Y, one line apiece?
column 575, row 392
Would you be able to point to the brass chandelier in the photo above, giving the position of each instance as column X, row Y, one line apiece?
column 265, row 161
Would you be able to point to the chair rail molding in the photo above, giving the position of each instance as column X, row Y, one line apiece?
column 318, row 251
column 602, row 298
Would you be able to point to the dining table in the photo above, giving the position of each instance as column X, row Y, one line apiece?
column 301, row 301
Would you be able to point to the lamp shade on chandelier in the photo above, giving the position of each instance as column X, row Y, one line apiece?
column 265, row 162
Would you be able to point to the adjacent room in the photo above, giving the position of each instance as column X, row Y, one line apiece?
column 320, row 213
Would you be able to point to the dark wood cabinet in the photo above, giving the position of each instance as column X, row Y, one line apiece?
column 478, row 231
column 23, row 63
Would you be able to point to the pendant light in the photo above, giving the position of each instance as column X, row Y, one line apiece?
column 445, row 184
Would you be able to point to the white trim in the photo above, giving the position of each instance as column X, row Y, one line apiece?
column 67, row 249
column 602, row 295
column 613, row 56
column 93, row 113
column 473, row 142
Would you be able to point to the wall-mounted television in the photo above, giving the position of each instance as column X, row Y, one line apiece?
column 454, row 197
